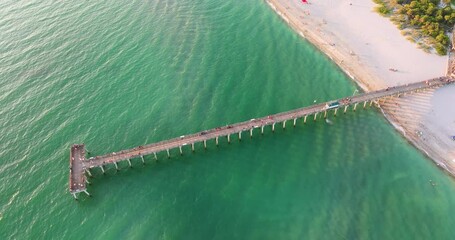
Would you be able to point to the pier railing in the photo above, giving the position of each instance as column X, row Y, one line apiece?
column 79, row 164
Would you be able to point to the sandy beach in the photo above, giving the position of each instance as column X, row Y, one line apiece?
column 366, row 46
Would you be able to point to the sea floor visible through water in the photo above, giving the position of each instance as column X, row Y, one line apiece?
column 115, row 75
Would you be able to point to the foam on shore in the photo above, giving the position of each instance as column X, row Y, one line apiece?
column 366, row 46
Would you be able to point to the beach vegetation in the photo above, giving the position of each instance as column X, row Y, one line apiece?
column 405, row 33
column 424, row 47
column 382, row 8
column 411, row 39
column 432, row 19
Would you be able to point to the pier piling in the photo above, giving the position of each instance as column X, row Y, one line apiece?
column 79, row 164
column 88, row 194
column 116, row 166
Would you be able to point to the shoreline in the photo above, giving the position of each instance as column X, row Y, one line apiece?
column 413, row 122
column 335, row 55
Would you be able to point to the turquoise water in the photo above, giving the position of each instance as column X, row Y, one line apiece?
column 118, row 74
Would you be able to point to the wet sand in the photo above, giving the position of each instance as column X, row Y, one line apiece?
column 367, row 47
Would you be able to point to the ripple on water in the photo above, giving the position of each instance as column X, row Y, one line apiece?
column 120, row 74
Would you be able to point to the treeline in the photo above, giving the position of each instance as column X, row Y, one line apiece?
column 433, row 18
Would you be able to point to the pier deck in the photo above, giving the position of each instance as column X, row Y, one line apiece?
column 77, row 168
column 80, row 164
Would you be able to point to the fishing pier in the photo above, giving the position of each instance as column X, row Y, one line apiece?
column 80, row 166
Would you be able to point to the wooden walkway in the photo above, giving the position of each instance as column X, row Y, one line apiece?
column 79, row 164
column 77, row 168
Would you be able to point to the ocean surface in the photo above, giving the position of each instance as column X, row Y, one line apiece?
column 118, row 74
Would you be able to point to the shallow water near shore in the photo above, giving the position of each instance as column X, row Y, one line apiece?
column 121, row 74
